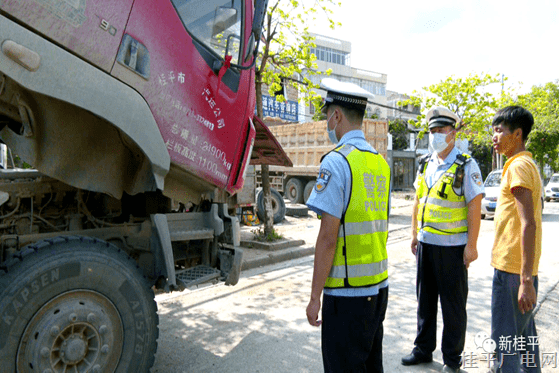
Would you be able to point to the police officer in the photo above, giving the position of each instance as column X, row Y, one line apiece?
column 445, row 228
column 351, row 195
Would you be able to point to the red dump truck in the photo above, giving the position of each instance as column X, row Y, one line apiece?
column 137, row 118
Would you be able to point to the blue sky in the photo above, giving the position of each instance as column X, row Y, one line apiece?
column 418, row 43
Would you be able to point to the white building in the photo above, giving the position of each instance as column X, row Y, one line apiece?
column 335, row 54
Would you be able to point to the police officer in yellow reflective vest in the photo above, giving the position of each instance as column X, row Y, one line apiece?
column 445, row 228
column 351, row 195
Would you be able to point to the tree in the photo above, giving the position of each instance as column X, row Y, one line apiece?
column 400, row 134
column 469, row 99
column 482, row 153
column 543, row 141
column 286, row 52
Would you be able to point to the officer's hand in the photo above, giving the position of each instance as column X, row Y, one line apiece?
column 414, row 242
column 470, row 254
column 312, row 312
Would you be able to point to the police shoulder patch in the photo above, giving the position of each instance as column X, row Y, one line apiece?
column 322, row 180
column 476, row 177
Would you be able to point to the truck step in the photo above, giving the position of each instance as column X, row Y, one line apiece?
column 197, row 275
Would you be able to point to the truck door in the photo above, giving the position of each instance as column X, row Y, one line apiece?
column 173, row 53
column 90, row 29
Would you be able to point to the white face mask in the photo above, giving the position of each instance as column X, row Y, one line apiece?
column 438, row 141
column 331, row 133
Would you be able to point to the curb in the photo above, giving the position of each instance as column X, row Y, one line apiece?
column 285, row 255
column 272, row 246
column 277, row 257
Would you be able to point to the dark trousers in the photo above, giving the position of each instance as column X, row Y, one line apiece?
column 509, row 326
column 352, row 333
column 441, row 273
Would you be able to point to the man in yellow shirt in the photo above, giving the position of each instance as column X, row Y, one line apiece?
column 517, row 246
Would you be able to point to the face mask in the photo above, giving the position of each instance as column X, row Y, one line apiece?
column 438, row 141
column 331, row 133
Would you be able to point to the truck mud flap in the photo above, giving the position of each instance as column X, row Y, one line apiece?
column 231, row 259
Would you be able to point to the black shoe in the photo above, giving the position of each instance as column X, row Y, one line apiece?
column 413, row 359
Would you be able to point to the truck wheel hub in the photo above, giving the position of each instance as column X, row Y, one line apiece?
column 75, row 331
column 73, row 350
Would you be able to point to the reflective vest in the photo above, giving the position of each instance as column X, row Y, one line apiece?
column 361, row 258
column 442, row 211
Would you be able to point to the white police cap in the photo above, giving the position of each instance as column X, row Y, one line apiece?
column 344, row 94
column 440, row 116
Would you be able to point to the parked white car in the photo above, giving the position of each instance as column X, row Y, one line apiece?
column 552, row 188
column 492, row 185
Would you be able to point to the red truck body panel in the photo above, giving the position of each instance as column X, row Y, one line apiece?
column 91, row 29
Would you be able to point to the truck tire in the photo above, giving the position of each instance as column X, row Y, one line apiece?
column 76, row 304
column 294, row 190
column 308, row 189
column 278, row 206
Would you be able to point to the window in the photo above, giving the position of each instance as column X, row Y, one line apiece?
column 330, row 55
column 215, row 23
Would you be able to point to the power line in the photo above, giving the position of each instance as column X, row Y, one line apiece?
column 393, row 108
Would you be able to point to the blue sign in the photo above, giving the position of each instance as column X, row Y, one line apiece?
column 288, row 110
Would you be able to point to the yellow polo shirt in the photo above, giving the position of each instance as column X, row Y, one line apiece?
column 519, row 171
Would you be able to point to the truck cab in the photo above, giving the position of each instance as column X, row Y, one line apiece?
column 163, row 89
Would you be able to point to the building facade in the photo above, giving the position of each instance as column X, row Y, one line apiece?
column 335, row 54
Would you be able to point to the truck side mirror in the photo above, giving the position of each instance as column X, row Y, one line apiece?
column 249, row 51
column 259, row 13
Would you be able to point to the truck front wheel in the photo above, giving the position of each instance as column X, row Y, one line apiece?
column 76, row 304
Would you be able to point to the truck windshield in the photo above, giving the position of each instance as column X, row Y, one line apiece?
column 215, row 23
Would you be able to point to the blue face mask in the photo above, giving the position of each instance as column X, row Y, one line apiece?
column 331, row 133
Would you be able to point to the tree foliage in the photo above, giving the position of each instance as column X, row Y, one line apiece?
column 471, row 101
column 400, row 134
column 286, row 49
column 468, row 98
column 543, row 141
column 482, row 153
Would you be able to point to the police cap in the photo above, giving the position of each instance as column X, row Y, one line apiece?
column 440, row 116
column 344, row 94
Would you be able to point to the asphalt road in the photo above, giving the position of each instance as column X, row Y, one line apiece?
column 260, row 324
